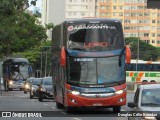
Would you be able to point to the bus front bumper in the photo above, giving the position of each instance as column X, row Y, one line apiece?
column 82, row 101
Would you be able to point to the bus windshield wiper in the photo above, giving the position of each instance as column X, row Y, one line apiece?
column 87, row 82
column 117, row 82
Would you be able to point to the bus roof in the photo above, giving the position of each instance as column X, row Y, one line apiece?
column 12, row 60
column 145, row 62
column 92, row 20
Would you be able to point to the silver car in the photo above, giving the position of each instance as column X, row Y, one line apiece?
column 146, row 104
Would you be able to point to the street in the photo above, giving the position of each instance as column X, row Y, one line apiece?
column 17, row 101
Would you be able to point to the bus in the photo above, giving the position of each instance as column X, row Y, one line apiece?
column 15, row 72
column 139, row 71
column 88, row 61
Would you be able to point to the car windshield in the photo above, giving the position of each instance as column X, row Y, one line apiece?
column 36, row 81
column 96, row 70
column 150, row 97
column 47, row 81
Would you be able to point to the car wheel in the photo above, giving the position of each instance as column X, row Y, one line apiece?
column 59, row 105
column 25, row 92
column 40, row 98
column 116, row 109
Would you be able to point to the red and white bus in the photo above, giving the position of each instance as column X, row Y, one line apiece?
column 88, row 61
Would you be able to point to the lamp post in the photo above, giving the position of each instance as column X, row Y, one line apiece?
column 45, row 60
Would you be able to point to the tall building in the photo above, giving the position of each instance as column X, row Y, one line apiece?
column 56, row 11
column 137, row 20
column 80, row 8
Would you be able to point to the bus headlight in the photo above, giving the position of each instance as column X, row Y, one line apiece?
column 75, row 92
column 120, row 91
column 10, row 82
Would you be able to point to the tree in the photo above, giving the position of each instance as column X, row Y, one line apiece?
column 19, row 30
column 146, row 51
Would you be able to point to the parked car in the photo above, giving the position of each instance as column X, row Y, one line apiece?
column 146, row 103
column 16, row 84
column 34, row 87
column 45, row 89
column 27, row 85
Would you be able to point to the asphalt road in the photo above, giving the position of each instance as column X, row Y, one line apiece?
column 18, row 102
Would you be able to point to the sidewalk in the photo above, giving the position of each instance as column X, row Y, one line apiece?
column 3, row 92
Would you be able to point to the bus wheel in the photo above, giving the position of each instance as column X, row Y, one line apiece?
column 116, row 109
column 69, row 109
column 59, row 105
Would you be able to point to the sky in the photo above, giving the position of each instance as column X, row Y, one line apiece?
column 38, row 5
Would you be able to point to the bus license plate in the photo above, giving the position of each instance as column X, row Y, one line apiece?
column 97, row 104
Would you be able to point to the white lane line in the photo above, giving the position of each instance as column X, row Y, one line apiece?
column 45, row 104
column 77, row 119
column 64, row 113
column 53, row 107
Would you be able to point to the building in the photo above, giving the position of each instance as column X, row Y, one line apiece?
column 56, row 11
column 138, row 21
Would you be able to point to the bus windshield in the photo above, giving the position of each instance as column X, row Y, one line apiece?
column 95, row 37
column 96, row 70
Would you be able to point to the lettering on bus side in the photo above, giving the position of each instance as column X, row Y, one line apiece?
column 95, row 44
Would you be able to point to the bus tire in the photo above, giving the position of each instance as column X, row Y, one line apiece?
column 116, row 109
column 59, row 105
column 69, row 109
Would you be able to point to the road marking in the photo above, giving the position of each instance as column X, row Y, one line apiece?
column 45, row 104
column 76, row 118
column 53, row 107
column 64, row 113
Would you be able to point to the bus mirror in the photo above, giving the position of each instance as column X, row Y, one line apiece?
column 63, row 56
column 128, row 55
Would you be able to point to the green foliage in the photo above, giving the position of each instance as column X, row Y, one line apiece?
column 146, row 51
column 19, row 31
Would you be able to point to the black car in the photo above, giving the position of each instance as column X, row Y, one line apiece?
column 34, row 87
column 45, row 89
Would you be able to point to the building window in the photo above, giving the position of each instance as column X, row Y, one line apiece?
column 153, row 41
column 146, row 34
column 103, row 7
column 120, row 7
column 153, row 35
column 107, row 7
column 114, row 7
column 146, row 14
column 153, row 21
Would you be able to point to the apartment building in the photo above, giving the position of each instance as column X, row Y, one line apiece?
column 56, row 11
column 137, row 20
column 80, row 9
